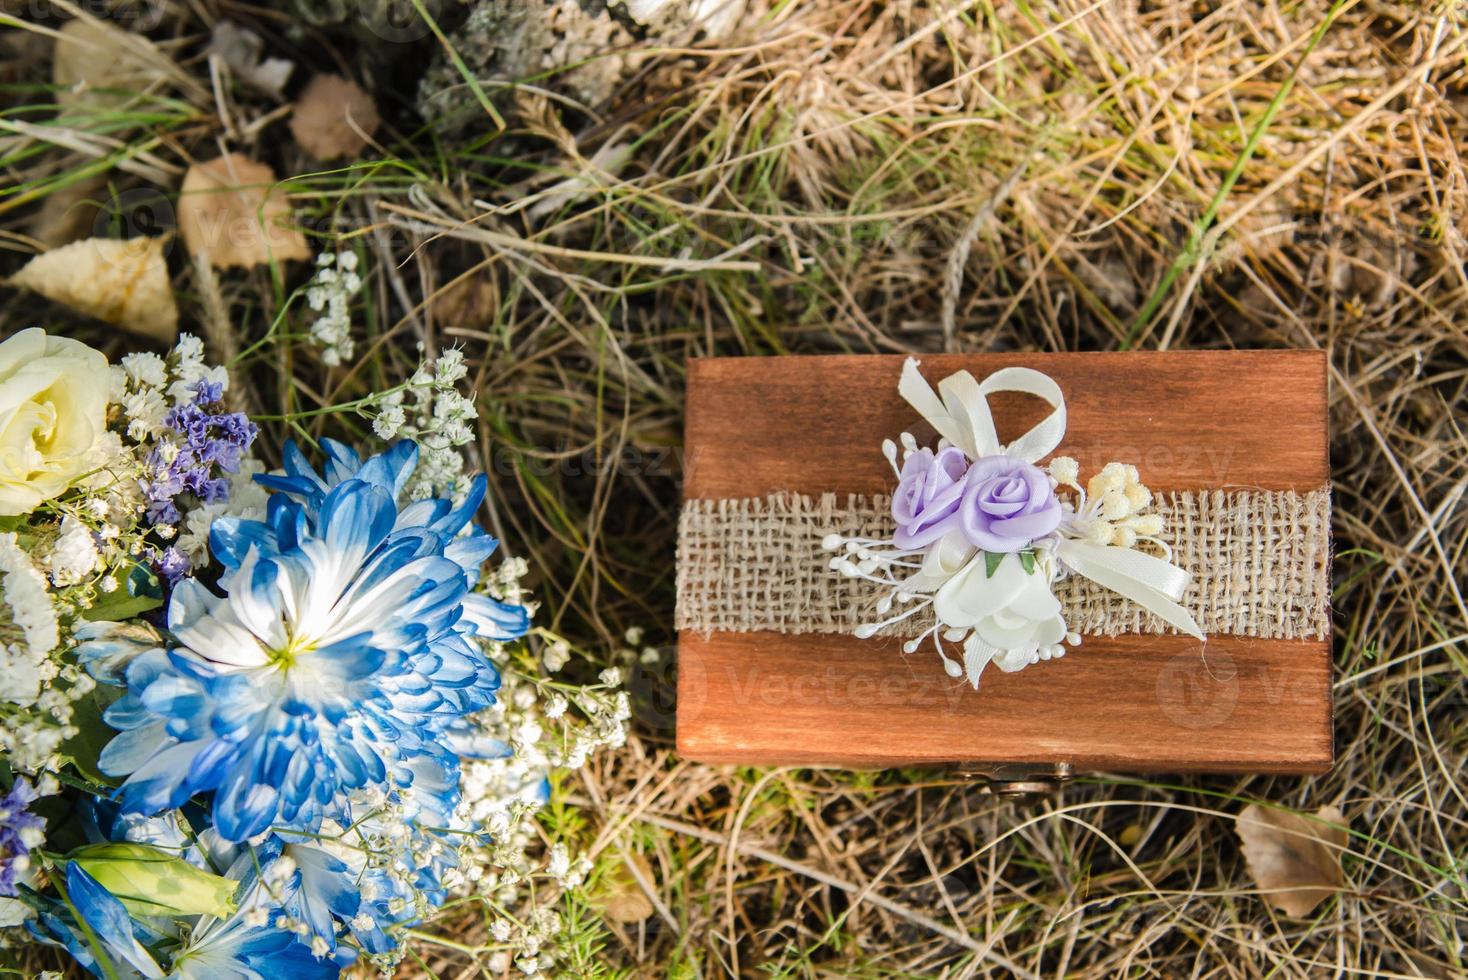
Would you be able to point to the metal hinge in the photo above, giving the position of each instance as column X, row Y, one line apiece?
column 1017, row 781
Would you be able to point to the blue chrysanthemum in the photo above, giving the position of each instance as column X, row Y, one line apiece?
column 344, row 646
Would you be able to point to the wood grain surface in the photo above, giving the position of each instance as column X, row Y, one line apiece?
column 1188, row 420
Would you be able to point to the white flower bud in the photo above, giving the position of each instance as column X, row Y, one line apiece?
column 1065, row 470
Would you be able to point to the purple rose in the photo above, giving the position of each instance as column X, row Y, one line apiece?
column 1007, row 503
column 927, row 497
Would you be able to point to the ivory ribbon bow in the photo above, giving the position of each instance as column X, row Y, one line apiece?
column 959, row 411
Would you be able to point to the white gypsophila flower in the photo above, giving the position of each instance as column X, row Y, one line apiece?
column 74, row 555
column 499, row 796
column 450, row 368
column 429, row 410
column 556, row 655
column 33, row 744
column 388, row 422
column 546, row 921
column 505, row 584
column 558, row 864
column 32, row 735
column 24, row 590
column 330, row 293
column 26, row 657
column 332, row 333
column 440, row 468
column 526, row 733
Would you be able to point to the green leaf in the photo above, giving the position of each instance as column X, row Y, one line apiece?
column 119, row 607
column 1027, row 561
column 991, row 563
column 92, row 733
column 143, row 592
column 141, row 581
column 151, row 881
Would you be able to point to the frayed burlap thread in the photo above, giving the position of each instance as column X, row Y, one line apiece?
column 1260, row 562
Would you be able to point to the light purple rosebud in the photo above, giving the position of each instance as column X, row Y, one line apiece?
column 928, row 493
column 1007, row 503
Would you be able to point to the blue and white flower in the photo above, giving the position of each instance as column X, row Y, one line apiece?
column 95, row 927
column 346, row 642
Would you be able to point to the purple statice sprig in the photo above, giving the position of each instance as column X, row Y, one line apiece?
column 201, row 446
column 20, row 831
column 172, row 564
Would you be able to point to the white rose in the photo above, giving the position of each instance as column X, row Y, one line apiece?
column 53, row 417
column 1014, row 617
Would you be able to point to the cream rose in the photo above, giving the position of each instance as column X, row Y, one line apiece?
column 53, row 417
column 1014, row 617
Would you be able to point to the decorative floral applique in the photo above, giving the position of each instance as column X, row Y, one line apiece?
column 984, row 534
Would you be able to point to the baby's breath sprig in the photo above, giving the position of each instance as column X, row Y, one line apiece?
column 430, row 409
column 330, row 293
column 546, row 723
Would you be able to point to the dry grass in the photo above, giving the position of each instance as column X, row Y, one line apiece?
column 1110, row 175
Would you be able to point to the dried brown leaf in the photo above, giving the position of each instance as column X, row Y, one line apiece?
column 469, row 302
column 1294, row 858
column 231, row 211
column 122, row 282
column 333, row 118
column 93, row 57
column 622, row 899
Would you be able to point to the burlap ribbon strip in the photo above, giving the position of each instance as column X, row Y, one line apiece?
column 1259, row 561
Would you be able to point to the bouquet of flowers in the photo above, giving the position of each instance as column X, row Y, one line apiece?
column 260, row 724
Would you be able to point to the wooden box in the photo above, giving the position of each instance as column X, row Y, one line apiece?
column 1135, row 702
